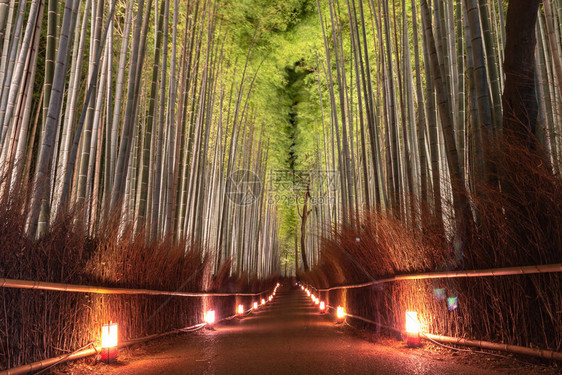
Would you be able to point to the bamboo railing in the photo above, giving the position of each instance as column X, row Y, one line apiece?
column 507, row 271
column 40, row 285
column 491, row 272
column 89, row 351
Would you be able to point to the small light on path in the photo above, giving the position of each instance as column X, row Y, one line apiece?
column 109, row 341
column 210, row 317
column 412, row 328
column 340, row 314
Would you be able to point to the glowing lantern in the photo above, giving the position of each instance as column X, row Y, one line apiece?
column 277, row 284
column 270, row 298
column 255, row 305
column 340, row 314
column 412, row 328
column 316, row 301
column 263, row 301
column 322, row 306
column 109, row 341
column 210, row 317
column 313, row 296
column 308, row 292
column 240, row 309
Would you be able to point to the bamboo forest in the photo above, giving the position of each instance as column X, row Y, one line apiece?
column 160, row 159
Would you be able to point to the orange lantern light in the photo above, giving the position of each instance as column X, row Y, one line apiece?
column 263, row 301
column 240, row 309
column 340, row 314
column 270, row 298
column 322, row 306
column 255, row 305
column 412, row 329
column 109, row 341
column 317, row 301
column 210, row 317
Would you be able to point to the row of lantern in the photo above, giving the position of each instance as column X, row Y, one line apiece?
column 322, row 305
column 109, row 331
column 210, row 314
column 412, row 322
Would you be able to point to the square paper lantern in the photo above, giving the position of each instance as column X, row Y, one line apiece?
column 340, row 314
column 109, row 342
column 412, row 328
column 210, row 317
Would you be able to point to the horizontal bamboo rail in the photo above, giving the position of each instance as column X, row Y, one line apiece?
column 546, row 354
column 508, row 271
column 39, row 365
column 36, row 366
column 515, row 349
column 40, row 285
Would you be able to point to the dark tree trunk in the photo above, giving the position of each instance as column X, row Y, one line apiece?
column 526, row 175
column 519, row 97
column 304, row 218
column 296, row 251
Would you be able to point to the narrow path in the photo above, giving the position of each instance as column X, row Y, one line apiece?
column 287, row 337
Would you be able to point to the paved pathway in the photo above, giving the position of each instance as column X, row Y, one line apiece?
column 287, row 337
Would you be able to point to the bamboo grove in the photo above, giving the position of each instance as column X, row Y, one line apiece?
column 443, row 120
column 145, row 109
column 412, row 104
column 130, row 109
